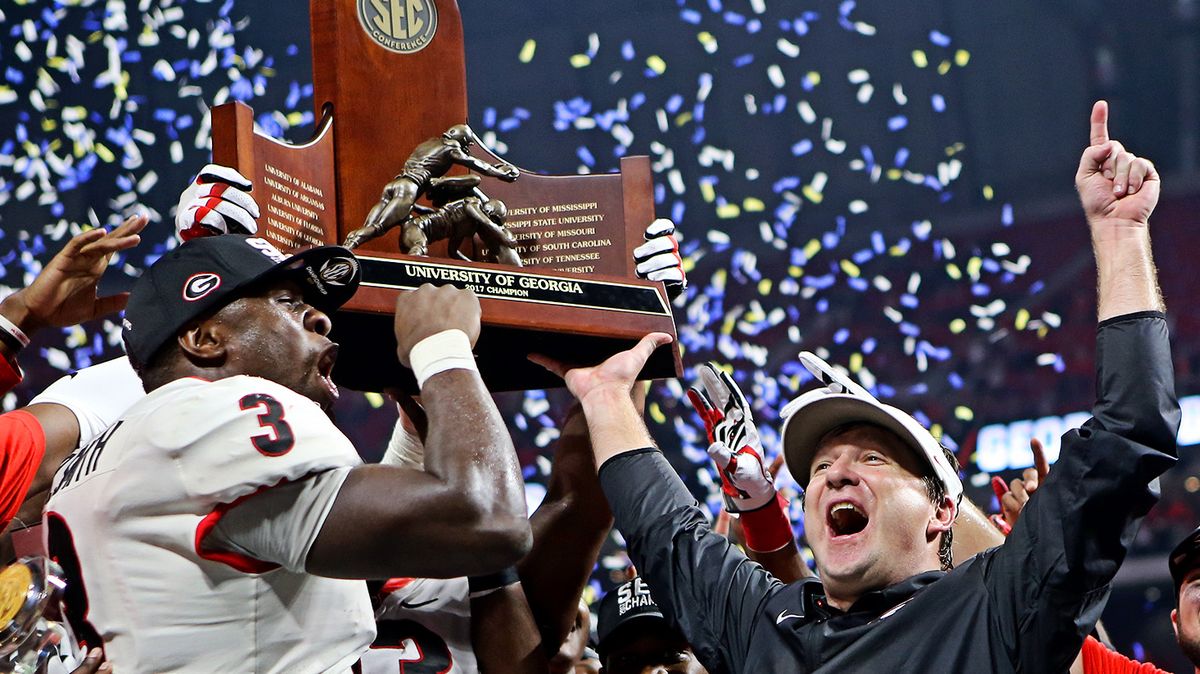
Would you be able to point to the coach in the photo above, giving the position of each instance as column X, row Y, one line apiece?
column 879, row 499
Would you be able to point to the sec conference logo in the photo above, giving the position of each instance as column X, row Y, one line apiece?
column 402, row 26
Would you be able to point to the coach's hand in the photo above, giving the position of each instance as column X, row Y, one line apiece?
column 618, row 373
column 1118, row 189
column 429, row 310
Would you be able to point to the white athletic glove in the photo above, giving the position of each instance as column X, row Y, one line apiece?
column 734, row 443
column 658, row 259
column 217, row 202
column 96, row 395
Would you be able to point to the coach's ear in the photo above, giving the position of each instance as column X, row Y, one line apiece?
column 203, row 340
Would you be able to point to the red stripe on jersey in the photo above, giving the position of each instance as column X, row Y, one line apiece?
column 10, row 375
column 22, row 447
column 235, row 560
column 394, row 584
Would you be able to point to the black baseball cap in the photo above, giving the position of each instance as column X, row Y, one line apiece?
column 625, row 604
column 205, row 274
column 1184, row 558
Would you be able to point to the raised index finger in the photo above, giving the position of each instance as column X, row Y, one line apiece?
column 1039, row 459
column 1100, row 123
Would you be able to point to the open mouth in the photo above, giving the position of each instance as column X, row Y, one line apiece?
column 325, row 369
column 846, row 519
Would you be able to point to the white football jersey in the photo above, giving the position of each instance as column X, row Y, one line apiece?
column 424, row 628
column 129, row 512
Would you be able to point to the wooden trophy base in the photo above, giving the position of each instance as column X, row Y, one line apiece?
column 575, row 318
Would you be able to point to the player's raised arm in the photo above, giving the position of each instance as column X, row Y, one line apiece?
column 465, row 514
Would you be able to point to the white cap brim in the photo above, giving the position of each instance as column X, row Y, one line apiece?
column 817, row 412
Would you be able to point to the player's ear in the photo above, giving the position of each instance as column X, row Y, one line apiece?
column 203, row 339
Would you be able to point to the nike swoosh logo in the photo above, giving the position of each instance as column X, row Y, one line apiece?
column 417, row 605
column 782, row 617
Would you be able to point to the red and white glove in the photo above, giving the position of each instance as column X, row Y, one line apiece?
column 217, row 202
column 658, row 259
column 735, row 447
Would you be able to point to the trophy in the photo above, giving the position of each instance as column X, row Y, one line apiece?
column 394, row 172
column 31, row 589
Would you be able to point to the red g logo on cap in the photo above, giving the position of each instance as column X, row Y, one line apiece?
column 199, row 285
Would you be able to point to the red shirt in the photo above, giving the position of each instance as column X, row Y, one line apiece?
column 22, row 446
column 1098, row 659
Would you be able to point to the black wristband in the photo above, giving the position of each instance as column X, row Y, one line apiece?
column 478, row 586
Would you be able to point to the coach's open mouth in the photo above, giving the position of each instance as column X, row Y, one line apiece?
column 846, row 518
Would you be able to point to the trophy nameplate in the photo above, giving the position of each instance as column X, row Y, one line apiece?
column 386, row 77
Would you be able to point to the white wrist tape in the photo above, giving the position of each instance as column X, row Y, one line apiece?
column 14, row 332
column 446, row 350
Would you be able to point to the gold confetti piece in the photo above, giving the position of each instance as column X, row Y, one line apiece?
column 856, row 362
column 527, row 51
column 707, row 191
column 656, row 64
column 953, row 271
column 657, row 413
column 962, row 57
column 580, row 61
column 374, row 399
column 812, row 77
column 811, row 248
column 850, row 268
column 943, row 67
column 919, row 58
column 683, row 118
column 795, row 271
column 958, row 325
column 753, row 205
column 963, row 413
column 728, row 211
column 812, row 194
column 1021, row 320
column 764, row 287
column 988, row 192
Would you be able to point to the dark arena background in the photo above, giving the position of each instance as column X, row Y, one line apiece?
column 886, row 184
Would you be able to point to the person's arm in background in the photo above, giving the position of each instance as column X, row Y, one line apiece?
column 747, row 486
column 568, row 529
column 33, row 439
column 64, row 293
column 504, row 635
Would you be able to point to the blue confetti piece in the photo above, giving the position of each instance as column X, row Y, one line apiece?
column 841, row 336
column 689, row 16
column 743, row 60
column 901, row 157
column 734, row 19
column 939, row 38
column 674, row 103
column 1006, row 215
column 802, row 148
column 1037, row 287
column 896, row 123
column 909, row 330
column 938, row 102
column 858, row 283
column 829, row 240
column 714, row 5
column 980, row 289
column 955, row 380
column 909, row 301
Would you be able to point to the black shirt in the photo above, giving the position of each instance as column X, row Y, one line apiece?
column 1024, row 606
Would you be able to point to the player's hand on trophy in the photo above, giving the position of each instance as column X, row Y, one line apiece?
column 429, row 310
column 734, row 443
column 1118, row 189
column 658, row 258
column 217, row 202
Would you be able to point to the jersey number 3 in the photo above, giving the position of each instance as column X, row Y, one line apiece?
column 280, row 439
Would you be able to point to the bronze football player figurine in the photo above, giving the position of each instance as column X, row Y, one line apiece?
column 423, row 170
column 461, row 219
